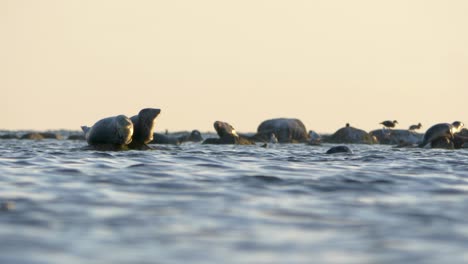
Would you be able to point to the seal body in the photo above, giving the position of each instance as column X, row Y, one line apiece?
column 441, row 135
column 286, row 130
column 143, row 126
column 314, row 138
column 441, row 130
column 159, row 138
column 116, row 130
column 177, row 138
column 351, row 135
column 339, row 149
column 227, row 135
column 397, row 136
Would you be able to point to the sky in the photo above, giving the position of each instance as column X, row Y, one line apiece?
column 64, row 64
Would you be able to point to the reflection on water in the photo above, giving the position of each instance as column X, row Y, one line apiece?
column 231, row 204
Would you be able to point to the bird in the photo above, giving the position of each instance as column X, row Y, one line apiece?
column 273, row 138
column 389, row 124
column 414, row 127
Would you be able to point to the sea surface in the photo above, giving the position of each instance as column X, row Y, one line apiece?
column 193, row 203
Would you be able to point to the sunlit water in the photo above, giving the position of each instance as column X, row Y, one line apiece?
column 198, row 203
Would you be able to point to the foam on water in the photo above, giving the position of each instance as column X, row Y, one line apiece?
column 288, row 203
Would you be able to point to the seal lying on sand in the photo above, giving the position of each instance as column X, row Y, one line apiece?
column 110, row 133
column 227, row 135
column 286, row 130
column 441, row 135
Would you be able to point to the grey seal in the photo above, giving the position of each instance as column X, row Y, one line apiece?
column 286, row 130
column 442, row 133
column 350, row 135
column 273, row 139
column 227, row 135
column 339, row 149
column 314, row 138
column 110, row 133
column 177, row 138
column 143, row 126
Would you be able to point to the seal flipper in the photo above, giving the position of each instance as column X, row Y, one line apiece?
column 138, row 146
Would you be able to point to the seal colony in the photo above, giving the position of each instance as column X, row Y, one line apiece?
column 121, row 133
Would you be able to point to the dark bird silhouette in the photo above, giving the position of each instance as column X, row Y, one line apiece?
column 389, row 124
column 414, row 127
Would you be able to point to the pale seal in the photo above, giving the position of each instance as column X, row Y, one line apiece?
column 314, row 138
column 273, row 139
column 443, row 131
column 111, row 132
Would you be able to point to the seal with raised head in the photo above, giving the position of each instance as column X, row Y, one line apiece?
column 227, row 135
column 143, row 126
column 442, row 133
column 314, row 138
column 110, row 133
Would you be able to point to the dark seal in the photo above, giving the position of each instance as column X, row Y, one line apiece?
column 227, row 135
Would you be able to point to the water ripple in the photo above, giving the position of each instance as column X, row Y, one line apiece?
column 288, row 203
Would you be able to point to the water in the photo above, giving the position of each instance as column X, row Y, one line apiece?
column 198, row 203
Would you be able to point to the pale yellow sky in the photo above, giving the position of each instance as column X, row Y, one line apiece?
column 64, row 64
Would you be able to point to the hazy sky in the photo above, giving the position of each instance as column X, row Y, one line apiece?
column 64, row 64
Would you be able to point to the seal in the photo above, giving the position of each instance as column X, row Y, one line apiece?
column 164, row 139
column 227, row 135
column 177, row 138
column 273, row 139
column 314, row 138
column 194, row 136
column 350, row 135
column 339, row 149
column 143, row 126
column 442, row 133
column 286, row 130
column 110, row 133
